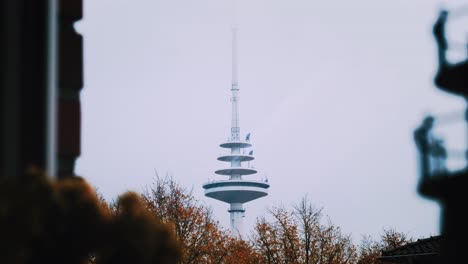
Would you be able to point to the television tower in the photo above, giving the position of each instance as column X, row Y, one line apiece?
column 236, row 190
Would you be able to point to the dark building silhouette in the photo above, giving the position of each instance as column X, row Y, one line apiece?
column 41, row 78
column 449, row 187
column 437, row 182
column 47, row 213
column 422, row 251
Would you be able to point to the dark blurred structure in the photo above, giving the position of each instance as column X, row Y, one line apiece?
column 47, row 213
column 447, row 186
column 423, row 251
column 41, row 78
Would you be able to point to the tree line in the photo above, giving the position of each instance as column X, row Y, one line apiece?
column 297, row 235
column 45, row 220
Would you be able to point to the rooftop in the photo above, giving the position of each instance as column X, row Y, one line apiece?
column 426, row 250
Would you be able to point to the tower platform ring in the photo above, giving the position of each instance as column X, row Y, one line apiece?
column 235, row 144
column 236, row 170
column 236, row 191
column 236, row 157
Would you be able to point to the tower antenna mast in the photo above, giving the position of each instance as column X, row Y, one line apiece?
column 235, row 128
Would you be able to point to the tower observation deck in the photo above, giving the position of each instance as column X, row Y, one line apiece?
column 236, row 190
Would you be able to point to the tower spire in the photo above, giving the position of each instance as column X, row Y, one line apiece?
column 235, row 129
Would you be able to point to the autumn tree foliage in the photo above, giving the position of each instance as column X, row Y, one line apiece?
column 203, row 239
column 322, row 242
column 370, row 249
column 65, row 221
column 300, row 236
column 241, row 252
column 277, row 240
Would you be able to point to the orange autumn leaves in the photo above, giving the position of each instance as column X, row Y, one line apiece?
column 65, row 221
column 203, row 239
column 295, row 236
column 299, row 236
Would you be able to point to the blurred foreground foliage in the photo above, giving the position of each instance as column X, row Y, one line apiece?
column 66, row 221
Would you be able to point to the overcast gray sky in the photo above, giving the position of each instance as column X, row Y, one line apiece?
column 330, row 90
